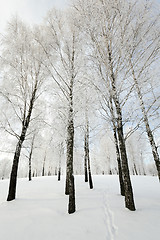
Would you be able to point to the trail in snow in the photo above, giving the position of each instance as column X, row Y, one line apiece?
column 40, row 210
column 109, row 218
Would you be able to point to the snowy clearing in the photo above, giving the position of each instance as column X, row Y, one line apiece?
column 40, row 210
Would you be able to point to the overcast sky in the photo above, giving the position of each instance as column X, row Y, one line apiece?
column 31, row 11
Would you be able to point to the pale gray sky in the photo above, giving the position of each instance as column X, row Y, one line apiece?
column 31, row 11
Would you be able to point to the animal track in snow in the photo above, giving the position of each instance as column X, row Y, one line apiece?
column 109, row 219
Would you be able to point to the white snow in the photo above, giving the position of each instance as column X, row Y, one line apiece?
column 40, row 210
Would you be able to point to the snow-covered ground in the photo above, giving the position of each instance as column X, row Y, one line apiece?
column 40, row 210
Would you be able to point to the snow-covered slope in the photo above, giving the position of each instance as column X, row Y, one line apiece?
column 40, row 211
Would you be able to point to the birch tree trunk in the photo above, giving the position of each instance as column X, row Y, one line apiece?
column 26, row 121
column 67, row 180
column 85, row 160
column 59, row 173
column 70, row 180
column 147, row 125
column 13, row 176
column 30, row 159
column 44, row 162
column 119, row 164
column 87, row 155
column 70, row 145
column 129, row 200
column 121, row 182
column 30, row 167
column 59, row 163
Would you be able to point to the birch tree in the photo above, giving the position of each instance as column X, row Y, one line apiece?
column 100, row 23
column 143, row 56
column 23, row 80
column 64, row 46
